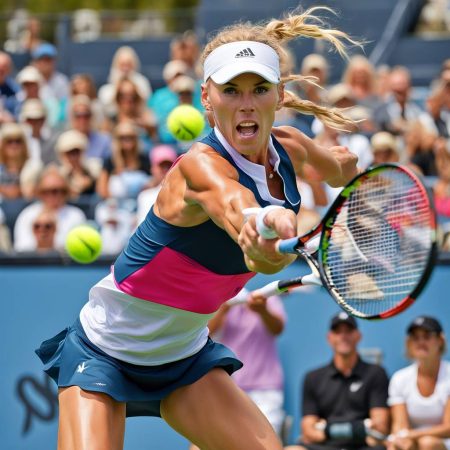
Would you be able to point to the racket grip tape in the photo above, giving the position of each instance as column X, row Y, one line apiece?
column 288, row 245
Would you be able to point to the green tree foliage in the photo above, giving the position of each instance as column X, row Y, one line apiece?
column 57, row 6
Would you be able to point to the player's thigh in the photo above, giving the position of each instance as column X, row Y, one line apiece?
column 215, row 414
column 89, row 420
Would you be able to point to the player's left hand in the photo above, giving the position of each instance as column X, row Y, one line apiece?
column 347, row 160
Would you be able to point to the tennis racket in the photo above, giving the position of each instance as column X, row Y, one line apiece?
column 375, row 248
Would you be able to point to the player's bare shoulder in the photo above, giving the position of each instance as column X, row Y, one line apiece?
column 200, row 169
column 293, row 141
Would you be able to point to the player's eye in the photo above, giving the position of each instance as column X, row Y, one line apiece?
column 261, row 89
column 229, row 90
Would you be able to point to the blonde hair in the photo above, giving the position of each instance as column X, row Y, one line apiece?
column 129, row 53
column 359, row 62
column 278, row 32
column 86, row 78
column 14, row 131
column 51, row 170
column 140, row 96
column 123, row 129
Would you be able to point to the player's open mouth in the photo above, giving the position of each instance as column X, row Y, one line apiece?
column 247, row 129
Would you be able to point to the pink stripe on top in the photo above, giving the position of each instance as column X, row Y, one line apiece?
column 175, row 280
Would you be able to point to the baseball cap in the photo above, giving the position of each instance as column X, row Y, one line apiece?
column 29, row 74
column 183, row 83
column 11, row 130
column 33, row 109
column 314, row 61
column 235, row 58
column 70, row 140
column 343, row 317
column 44, row 50
column 81, row 99
column 339, row 92
column 162, row 153
column 358, row 113
column 426, row 323
column 383, row 141
column 174, row 68
column 125, row 129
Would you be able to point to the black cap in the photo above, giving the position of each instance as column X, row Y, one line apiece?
column 343, row 317
column 425, row 322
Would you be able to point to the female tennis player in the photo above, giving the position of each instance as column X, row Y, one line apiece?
column 140, row 345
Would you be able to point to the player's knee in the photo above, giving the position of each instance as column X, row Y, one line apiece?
column 429, row 443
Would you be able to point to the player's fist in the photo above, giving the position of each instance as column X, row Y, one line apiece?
column 347, row 161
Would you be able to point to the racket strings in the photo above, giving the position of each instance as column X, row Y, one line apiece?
column 379, row 245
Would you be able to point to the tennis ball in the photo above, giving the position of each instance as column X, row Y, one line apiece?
column 83, row 244
column 185, row 122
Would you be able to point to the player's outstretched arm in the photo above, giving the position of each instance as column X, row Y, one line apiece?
column 212, row 185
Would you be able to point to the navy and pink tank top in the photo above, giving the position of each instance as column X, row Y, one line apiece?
column 197, row 268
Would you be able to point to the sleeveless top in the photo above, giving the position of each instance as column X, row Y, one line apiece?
column 163, row 288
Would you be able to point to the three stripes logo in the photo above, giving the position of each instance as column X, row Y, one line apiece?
column 246, row 53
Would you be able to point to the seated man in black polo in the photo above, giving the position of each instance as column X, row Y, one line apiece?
column 345, row 398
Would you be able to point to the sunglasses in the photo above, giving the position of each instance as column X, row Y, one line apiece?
column 82, row 115
column 14, row 141
column 127, row 138
column 73, row 151
column 127, row 96
column 54, row 191
column 47, row 226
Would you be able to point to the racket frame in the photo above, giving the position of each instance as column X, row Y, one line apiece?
column 317, row 259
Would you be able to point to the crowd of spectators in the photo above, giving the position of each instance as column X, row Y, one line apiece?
column 71, row 151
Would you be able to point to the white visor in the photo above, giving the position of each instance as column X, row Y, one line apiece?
column 230, row 60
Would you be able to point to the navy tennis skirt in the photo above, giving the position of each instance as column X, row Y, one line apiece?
column 72, row 360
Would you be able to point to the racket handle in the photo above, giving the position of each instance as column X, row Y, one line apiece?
column 236, row 301
column 288, row 245
column 240, row 297
column 270, row 289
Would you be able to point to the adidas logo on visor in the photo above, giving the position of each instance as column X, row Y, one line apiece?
column 247, row 52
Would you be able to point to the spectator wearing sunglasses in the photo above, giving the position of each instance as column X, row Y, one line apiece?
column 41, row 137
column 130, row 106
column 81, row 119
column 16, row 168
column 44, row 231
column 126, row 172
column 419, row 394
column 52, row 192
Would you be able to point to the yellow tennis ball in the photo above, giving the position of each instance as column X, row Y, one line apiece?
column 83, row 244
column 185, row 123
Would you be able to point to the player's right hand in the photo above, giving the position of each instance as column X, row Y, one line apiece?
column 256, row 248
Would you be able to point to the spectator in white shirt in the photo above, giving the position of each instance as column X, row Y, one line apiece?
column 419, row 395
column 52, row 191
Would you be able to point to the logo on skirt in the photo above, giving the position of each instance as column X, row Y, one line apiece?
column 81, row 367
